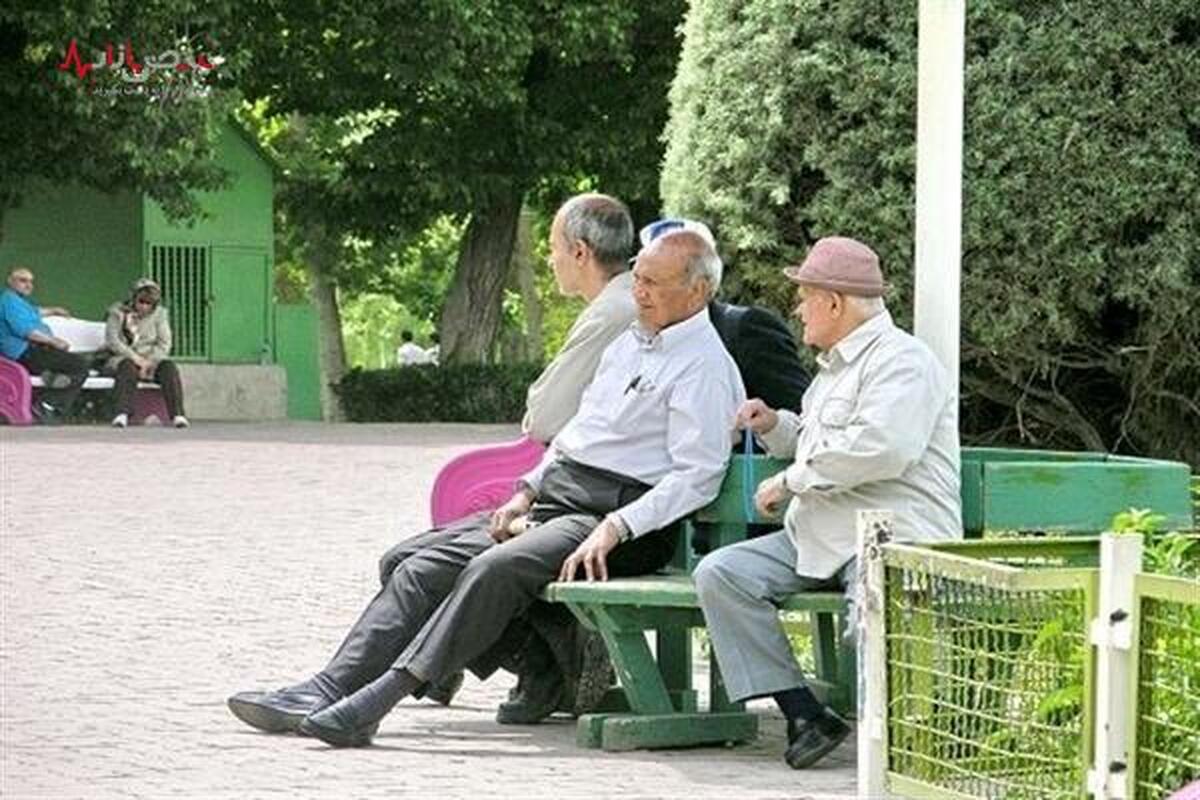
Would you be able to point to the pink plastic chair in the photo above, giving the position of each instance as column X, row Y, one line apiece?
column 16, row 394
column 481, row 480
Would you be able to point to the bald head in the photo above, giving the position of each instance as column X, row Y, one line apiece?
column 674, row 278
column 20, row 280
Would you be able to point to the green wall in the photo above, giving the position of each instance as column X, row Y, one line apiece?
column 238, row 215
column 296, row 351
column 84, row 246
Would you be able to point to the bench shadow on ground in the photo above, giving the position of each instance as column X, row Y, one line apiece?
column 406, row 731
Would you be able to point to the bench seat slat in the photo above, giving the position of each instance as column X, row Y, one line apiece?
column 672, row 591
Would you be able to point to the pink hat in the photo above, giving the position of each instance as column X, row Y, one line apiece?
column 840, row 265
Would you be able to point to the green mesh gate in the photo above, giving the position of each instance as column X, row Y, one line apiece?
column 989, row 675
column 1167, row 712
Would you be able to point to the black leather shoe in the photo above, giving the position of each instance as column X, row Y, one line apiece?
column 538, row 698
column 812, row 740
column 338, row 725
column 280, row 711
column 444, row 690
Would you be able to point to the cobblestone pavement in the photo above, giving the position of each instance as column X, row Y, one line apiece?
column 147, row 574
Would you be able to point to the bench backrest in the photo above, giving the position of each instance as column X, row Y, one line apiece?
column 1002, row 490
column 84, row 335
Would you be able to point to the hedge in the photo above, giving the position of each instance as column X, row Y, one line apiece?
column 428, row 393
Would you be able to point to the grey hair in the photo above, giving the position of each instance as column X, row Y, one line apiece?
column 865, row 306
column 604, row 225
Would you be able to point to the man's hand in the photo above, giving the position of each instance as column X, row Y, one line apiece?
column 59, row 343
column 592, row 553
column 146, row 369
column 757, row 416
column 517, row 506
column 771, row 495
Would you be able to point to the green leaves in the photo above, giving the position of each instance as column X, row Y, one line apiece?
column 790, row 121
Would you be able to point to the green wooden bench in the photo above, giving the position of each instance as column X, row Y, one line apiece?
column 657, row 704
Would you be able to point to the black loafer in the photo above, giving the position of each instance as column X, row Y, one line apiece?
column 280, row 711
column 812, row 740
column 443, row 691
column 538, row 698
column 338, row 725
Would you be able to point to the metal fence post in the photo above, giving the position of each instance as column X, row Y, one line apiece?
column 874, row 530
column 1112, row 635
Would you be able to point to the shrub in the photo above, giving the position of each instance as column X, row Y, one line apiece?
column 795, row 119
column 428, row 393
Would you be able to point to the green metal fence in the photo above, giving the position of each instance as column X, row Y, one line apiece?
column 1166, row 716
column 987, row 671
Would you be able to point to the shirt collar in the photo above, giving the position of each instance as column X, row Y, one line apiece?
column 672, row 335
column 854, row 343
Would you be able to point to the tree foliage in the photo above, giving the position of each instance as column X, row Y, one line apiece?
column 1081, row 263
column 472, row 106
column 63, row 128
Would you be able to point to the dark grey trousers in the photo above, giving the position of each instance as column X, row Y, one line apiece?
column 449, row 595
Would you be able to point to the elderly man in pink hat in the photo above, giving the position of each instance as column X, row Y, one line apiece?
column 878, row 429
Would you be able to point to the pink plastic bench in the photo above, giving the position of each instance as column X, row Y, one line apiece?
column 481, row 479
column 1189, row 792
column 16, row 395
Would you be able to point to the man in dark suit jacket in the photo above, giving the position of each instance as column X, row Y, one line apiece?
column 561, row 665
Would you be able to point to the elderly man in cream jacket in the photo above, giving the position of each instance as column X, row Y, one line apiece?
column 878, row 429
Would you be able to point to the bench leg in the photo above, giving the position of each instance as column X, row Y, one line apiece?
column 674, row 647
column 635, row 666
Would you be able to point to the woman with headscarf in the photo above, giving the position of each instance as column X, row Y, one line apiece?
column 138, row 334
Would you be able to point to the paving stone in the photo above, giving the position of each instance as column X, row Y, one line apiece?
column 147, row 574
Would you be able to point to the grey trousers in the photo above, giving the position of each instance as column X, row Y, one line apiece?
column 451, row 594
column 739, row 587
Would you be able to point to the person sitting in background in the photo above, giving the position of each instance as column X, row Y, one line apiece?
column 434, row 353
column 138, row 334
column 409, row 353
column 26, row 339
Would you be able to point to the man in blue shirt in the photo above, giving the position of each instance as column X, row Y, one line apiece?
column 25, row 338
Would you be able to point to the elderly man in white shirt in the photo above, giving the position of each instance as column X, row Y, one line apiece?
column 649, row 444
column 878, row 428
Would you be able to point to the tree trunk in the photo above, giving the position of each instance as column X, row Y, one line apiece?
column 524, row 269
column 322, row 254
column 470, row 318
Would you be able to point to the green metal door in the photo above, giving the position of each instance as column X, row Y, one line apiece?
column 239, row 306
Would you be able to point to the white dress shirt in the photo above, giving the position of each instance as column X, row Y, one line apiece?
column 878, row 430
column 660, row 410
column 409, row 354
column 554, row 397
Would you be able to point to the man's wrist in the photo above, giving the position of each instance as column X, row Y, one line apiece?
column 624, row 534
column 526, row 491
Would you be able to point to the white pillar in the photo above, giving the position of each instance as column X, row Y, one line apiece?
column 874, row 530
column 1112, row 634
column 938, row 259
